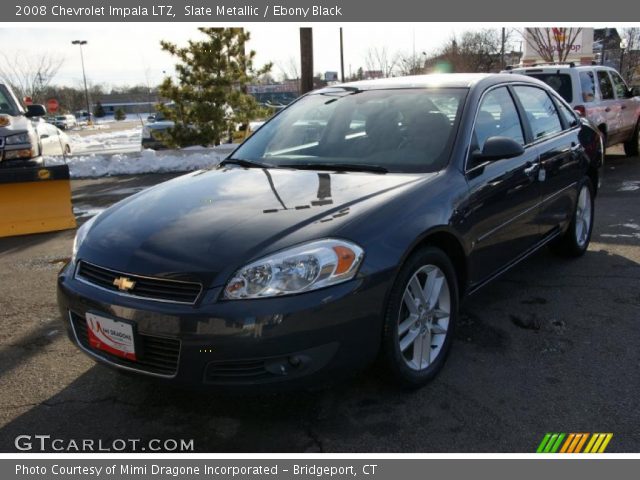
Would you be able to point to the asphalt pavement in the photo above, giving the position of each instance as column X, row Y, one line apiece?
column 552, row 346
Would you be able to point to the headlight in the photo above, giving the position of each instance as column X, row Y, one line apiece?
column 18, row 138
column 306, row 267
column 80, row 236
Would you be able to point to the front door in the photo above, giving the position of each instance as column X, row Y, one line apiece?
column 504, row 194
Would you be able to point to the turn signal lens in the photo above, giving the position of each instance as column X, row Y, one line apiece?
column 346, row 257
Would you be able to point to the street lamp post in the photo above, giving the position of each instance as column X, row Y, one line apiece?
column 80, row 43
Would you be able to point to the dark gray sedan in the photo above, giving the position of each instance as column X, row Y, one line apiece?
column 349, row 226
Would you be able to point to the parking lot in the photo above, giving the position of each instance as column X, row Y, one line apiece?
column 552, row 346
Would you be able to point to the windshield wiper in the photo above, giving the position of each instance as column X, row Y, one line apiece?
column 338, row 167
column 246, row 163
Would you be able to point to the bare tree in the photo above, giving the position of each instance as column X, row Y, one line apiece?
column 630, row 56
column 552, row 44
column 289, row 70
column 378, row 59
column 410, row 63
column 473, row 51
column 29, row 76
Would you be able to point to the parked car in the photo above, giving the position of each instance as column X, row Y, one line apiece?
column 53, row 141
column 66, row 122
column 152, row 131
column 318, row 245
column 83, row 117
column 600, row 94
column 19, row 140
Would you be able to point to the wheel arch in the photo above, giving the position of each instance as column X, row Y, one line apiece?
column 450, row 243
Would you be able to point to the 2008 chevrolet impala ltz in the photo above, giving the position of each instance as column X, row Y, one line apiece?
column 349, row 226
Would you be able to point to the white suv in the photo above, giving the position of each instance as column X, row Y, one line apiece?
column 598, row 93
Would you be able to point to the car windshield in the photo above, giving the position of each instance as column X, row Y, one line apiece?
column 560, row 82
column 395, row 130
column 7, row 105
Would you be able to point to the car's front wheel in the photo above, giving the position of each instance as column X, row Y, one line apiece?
column 420, row 318
column 632, row 147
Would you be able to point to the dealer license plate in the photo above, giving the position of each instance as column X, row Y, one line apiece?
column 111, row 336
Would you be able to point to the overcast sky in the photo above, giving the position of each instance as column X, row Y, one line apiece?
column 126, row 54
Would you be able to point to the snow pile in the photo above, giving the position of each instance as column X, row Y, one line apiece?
column 106, row 140
column 147, row 161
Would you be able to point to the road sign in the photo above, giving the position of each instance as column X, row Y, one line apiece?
column 52, row 105
column 28, row 101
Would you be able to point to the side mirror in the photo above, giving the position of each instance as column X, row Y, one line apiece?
column 34, row 111
column 634, row 91
column 499, row 148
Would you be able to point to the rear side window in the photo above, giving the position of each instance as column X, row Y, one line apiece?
column 619, row 86
column 606, row 89
column 540, row 110
column 568, row 115
column 588, row 86
column 560, row 82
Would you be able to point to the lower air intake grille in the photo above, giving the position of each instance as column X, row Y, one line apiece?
column 156, row 355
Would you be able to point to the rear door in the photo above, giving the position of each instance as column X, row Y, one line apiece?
column 504, row 194
column 627, row 105
column 553, row 129
column 609, row 108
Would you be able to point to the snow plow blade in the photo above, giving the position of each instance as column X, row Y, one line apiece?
column 35, row 200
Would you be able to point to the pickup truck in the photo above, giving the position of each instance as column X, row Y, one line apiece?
column 20, row 142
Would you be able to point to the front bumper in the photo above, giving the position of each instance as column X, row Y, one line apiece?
column 299, row 340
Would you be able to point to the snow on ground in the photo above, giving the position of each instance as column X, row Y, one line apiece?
column 107, row 140
column 147, row 161
column 125, row 140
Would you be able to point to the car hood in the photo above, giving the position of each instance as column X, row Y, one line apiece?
column 207, row 224
column 18, row 125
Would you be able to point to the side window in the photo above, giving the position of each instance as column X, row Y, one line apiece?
column 567, row 114
column 540, row 110
column 588, row 86
column 606, row 89
column 619, row 86
column 497, row 116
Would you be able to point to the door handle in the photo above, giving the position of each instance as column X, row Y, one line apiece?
column 607, row 109
column 623, row 107
column 529, row 171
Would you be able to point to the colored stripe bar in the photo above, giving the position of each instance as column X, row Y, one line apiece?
column 556, row 446
column 551, row 443
column 543, row 443
column 581, row 442
column 567, row 442
column 594, row 439
column 607, row 439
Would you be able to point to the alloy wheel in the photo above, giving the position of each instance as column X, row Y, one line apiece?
column 583, row 216
column 423, row 320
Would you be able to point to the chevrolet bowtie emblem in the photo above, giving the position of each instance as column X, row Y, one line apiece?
column 124, row 283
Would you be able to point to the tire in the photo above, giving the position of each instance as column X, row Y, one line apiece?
column 632, row 147
column 430, row 319
column 576, row 239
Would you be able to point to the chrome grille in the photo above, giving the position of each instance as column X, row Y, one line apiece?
column 145, row 287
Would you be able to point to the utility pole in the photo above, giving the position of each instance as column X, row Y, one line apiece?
column 504, row 39
column 80, row 43
column 341, row 57
column 306, row 60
